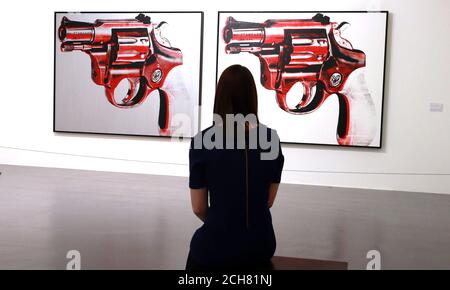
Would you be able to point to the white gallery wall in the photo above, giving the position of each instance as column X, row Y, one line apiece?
column 416, row 141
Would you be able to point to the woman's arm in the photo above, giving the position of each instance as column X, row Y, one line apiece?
column 278, row 169
column 199, row 201
column 273, row 189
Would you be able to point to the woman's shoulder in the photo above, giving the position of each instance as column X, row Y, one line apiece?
column 197, row 140
column 270, row 131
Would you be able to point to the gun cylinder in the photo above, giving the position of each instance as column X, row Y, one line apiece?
column 131, row 47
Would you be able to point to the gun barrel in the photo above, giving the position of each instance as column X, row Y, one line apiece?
column 243, row 35
column 75, row 34
column 75, row 31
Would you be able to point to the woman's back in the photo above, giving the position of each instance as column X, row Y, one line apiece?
column 240, row 178
column 238, row 225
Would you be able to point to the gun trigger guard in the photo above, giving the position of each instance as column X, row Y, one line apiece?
column 304, row 107
column 136, row 94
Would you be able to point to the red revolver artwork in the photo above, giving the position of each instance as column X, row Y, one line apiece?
column 131, row 49
column 309, row 51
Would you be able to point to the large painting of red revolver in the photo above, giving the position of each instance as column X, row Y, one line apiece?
column 124, row 49
column 132, row 62
column 311, row 52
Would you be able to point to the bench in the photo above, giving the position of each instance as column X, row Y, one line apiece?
column 290, row 263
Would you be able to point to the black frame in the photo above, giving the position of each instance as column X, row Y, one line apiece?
column 326, row 12
column 128, row 12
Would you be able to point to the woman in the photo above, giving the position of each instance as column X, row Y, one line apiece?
column 237, row 230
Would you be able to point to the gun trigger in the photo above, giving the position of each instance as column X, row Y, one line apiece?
column 126, row 99
column 302, row 102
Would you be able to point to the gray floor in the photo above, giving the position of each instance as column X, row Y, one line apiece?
column 132, row 221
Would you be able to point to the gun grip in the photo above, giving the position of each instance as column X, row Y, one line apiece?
column 343, row 120
column 357, row 121
column 163, row 119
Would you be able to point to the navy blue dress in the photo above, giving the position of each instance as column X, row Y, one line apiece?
column 238, row 226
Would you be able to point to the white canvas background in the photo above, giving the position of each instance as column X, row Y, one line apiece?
column 366, row 32
column 81, row 105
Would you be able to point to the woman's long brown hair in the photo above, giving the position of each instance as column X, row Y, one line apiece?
column 236, row 93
